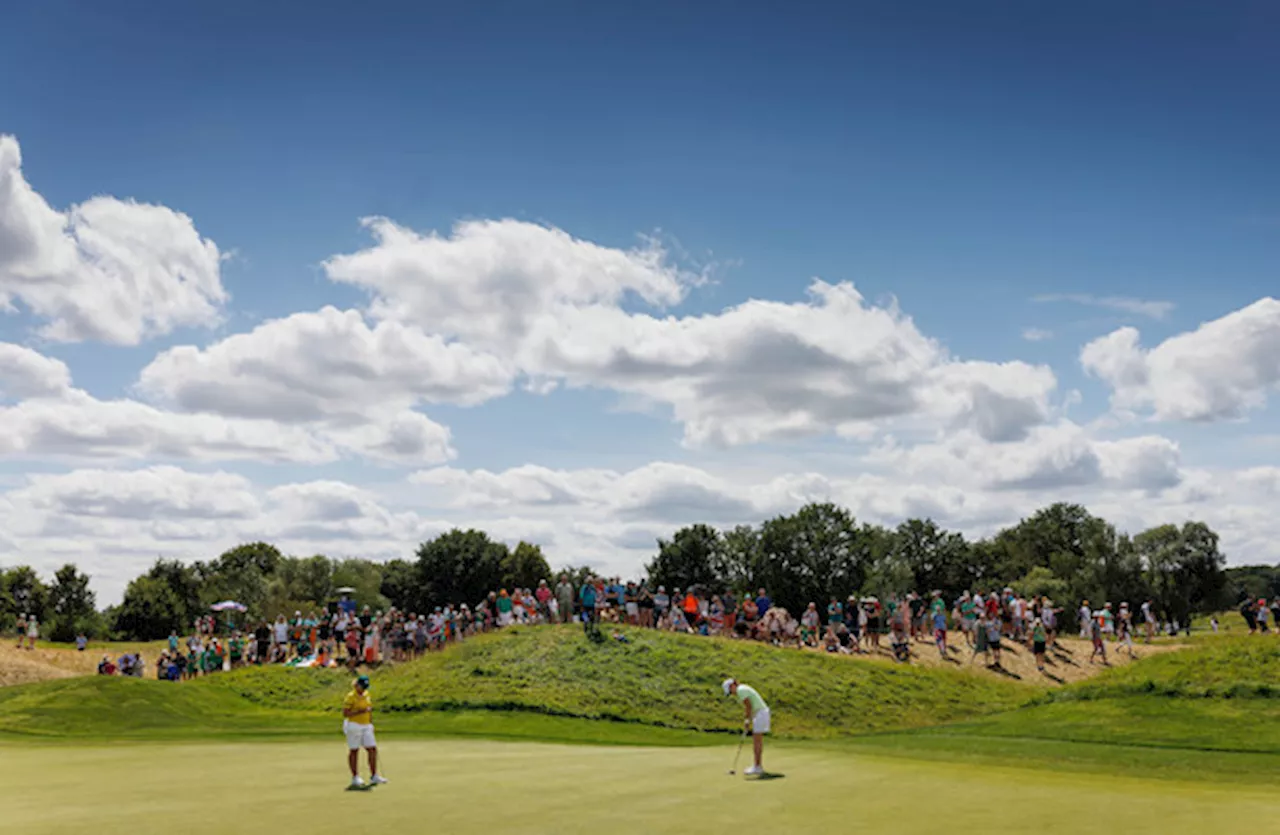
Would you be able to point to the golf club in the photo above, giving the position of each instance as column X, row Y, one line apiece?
column 741, row 739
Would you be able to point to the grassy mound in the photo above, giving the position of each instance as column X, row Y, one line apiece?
column 522, row 680
column 655, row 679
column 91, row 707
column 1239, row 667
column 1208, row 710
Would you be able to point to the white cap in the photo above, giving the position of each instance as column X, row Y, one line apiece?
column 728, row 682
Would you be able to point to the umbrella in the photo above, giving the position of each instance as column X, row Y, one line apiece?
column 346, row 590
column 229, row 606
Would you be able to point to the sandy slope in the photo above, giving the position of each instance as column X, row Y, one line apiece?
column 1069, row 663
column 47, row 661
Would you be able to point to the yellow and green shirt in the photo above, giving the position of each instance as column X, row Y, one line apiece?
column 362, row 704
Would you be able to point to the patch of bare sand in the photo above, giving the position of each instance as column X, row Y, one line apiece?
column 1067, row 663
column 47, row 662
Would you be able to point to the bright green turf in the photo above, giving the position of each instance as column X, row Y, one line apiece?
column 469, row 786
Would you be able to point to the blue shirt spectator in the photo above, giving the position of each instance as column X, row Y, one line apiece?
column 763, row 602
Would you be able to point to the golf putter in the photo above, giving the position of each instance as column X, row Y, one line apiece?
column 741, row 739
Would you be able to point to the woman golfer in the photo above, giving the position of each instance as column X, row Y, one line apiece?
column 756, row 718
column 357, row 724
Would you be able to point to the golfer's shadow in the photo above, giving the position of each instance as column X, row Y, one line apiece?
column 769, row 775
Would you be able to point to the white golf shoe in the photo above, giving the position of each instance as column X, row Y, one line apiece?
column 755, row 769
column 377, row 780
column 357, row 782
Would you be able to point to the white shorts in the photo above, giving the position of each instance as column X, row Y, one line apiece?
column 358, row 736
column 760, row 722
column 633, row 609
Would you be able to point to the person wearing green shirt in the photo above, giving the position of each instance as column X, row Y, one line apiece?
column 755, row 717
column 1039, row 637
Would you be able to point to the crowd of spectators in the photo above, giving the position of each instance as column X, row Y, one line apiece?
column 344, row 635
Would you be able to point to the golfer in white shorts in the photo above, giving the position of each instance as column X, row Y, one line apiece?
column 357, row 724
column 756, row 718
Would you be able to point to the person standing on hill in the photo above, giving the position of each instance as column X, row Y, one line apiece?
column 755, row 718
column 1039, row 642
column 587, row 597
column 1148, row 620
column 357, row 725
column 564, row 598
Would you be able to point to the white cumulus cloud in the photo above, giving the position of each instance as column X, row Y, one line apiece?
column 1221, row 370
column 107, row 270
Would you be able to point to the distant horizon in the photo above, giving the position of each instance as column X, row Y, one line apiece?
column 342, row 280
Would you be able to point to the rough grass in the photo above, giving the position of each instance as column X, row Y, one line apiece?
column 1225, row 667
column 657, row 679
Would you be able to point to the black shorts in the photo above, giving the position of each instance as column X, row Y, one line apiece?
column 1038, row 648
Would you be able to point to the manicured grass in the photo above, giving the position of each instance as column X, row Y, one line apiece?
column 1202, row 739
column 656, row 679
column 465, row 786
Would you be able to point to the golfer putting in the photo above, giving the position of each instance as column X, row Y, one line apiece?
column 357, row 725
column 755, row 719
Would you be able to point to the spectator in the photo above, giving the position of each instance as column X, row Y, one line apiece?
column 763, row 603
column 564, row 598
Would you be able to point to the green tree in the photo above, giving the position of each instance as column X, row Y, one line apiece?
column 689, row 558
column 365, row 576
column 25, row 594
column 936, row 559
column 299, row 583
column 402, row 585
column 524, row 566
column 1042, row 582
column 1250, row 582
column 460, row 567
column 1066, row 539
column 186, row 583
column 150, row 610
column 739, row 558
column 1184, row 568
column 70, row 603
column 817, row 552
column 240, row 574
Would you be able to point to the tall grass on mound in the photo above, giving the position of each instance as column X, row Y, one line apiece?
column 101, row 707
column 657, row 679
column 1244, row 667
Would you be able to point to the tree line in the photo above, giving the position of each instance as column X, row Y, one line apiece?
column 819, row 551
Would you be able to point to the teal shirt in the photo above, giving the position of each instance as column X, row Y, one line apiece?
column 747, row 693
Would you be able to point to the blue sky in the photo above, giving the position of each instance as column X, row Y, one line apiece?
column 963, row 159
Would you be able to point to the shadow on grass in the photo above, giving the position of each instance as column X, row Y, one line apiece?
column 770, row 775
column 1007, row 673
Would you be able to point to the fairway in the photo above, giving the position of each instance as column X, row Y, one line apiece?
column 457, row 786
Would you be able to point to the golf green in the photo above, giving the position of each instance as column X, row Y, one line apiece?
column 457, row 786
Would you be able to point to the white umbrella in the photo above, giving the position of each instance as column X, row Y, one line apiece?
column 229, row 606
